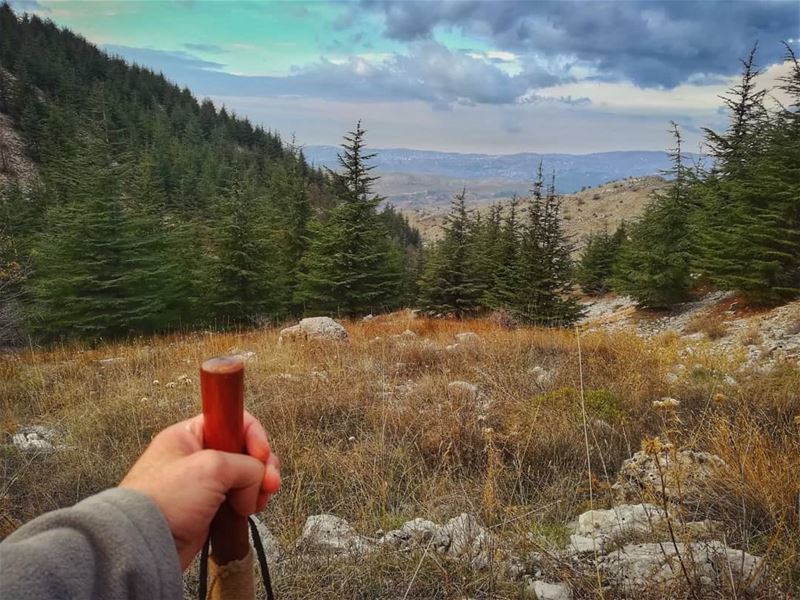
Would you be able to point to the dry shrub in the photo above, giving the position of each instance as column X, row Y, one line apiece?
column 378, row 443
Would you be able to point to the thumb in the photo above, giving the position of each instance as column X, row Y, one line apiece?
column 240, row 478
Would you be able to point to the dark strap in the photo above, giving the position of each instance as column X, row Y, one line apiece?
column 260, row 555
column 262, row 558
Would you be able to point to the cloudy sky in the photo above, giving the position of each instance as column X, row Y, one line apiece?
column 466, row 76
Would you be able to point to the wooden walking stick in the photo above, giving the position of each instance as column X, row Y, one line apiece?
column 231, row 562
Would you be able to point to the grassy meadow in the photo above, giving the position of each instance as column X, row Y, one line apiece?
column 370, row 431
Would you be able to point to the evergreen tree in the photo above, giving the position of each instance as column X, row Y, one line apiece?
column 748, row 224
column 98, row 267
column 505, row 276
column 350, row 266
column 653, row 265
column 597, row 260
column 543, row 294
column 244, row 280
column 448, row 284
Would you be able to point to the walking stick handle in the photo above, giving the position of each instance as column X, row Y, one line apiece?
column 222, row 391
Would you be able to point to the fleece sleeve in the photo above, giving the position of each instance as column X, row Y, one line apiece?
column 115, row 545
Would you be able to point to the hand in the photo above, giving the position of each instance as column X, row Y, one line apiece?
column 189, row 484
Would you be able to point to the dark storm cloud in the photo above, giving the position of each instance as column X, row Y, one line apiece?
column 649, row 42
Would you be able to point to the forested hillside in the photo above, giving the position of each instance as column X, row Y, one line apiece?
column 153, row 211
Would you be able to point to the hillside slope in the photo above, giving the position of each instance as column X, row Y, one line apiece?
column 593, row 209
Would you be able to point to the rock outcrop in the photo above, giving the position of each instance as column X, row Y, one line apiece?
column 706, row 564
column 35, row 438
column 332, row 535
column 682, row 477
column 314, row 328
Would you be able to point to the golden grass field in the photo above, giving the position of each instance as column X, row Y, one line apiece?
column 369, row 430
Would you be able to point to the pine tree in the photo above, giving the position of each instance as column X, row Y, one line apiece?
column 448, row 283
column 748, row 224
column 98, row 268
column 244, row 282
column 349, row 266
column 597, row 260
column 653, row 265
column 544, row 287
column 504, row 252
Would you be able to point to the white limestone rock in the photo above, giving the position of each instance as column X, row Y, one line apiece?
column 468, row 337
column 272, row 547
column 688, row 476
column 463, row 537
column 623, row 519
column 711, row 564
column 35, row 438
column 329, row 534
column 314, row 328
column 550, row 591
column 417, row 532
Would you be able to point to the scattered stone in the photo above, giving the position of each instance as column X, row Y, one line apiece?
column 463, row 537
column 671, row 378
column 35, row 438
column 104, row 362
column 245, row 357
column 272, row 547
column 368, row 318
column 331, row 534
column 623, row 519
column 417, row 532
column 406, row 335
column 314, row 328
column 550, row 591
column 688, row 476
column 666, row 403
column 730, row 381
column 464, row 387
column 710, row 564
column 542, row 376
column 468, row 337
column 583, row 544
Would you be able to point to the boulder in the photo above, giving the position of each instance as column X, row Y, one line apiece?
column 314, row 328
column 583, row 544
column 709, row 564
column 35, row 438
column 417, row 532
column 463, row 537
column 272, row 547
column 550, row 591
column 329, row 534
column 688, row 475
column 623, row 519
column 468, row 337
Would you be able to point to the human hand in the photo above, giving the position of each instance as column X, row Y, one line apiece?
column 189, row 483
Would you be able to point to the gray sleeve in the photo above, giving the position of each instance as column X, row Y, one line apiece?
column 115, row 545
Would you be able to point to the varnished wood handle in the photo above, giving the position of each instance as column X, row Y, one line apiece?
column 222, row 390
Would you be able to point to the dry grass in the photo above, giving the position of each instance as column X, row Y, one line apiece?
column 370, row 431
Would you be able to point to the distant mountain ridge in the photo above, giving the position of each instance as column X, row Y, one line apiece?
column 573, row 171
